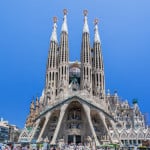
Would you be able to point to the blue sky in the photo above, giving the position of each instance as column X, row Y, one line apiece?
column 25, row 29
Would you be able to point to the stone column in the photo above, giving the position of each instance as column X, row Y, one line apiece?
column 37, row 124
column 113, row 125
column 137, row 141
column 44, row 127
column 104, row 122
column 87, row 112
column 62, row 112
column 74, row 139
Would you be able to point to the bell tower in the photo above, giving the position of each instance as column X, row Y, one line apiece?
column 98, row 66
column 52, row 71
column 63, row 64
column 86, row 68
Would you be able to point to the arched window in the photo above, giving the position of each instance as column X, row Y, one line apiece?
column 50, row 76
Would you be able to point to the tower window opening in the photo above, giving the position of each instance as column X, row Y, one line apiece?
column 97, row 79
column 87, row 71
column 50, row 76
column 53, row 75
column 62, row 70
column 100, row 78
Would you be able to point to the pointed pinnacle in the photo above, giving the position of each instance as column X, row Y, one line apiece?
column 85, row 12
column 37, row 98
column 95, row 21
column 55, row 19
column 65, row 11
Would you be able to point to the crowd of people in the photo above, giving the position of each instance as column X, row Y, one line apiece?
column 76, row 147
column 45, row 146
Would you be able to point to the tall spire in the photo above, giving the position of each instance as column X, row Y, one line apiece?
column 54, row 32
column 96, row 35
column 85, row 27
column 51, row 72
column 64, row 25
column 86, row 64
column 98, row 67
column 63, row 61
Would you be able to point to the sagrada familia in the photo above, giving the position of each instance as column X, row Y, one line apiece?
column 74, row 107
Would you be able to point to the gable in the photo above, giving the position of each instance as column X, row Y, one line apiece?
column 132, row 135
column 123, row 135
column 80, row 100
column 141, row 135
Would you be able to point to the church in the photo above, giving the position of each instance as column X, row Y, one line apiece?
column 74, row 107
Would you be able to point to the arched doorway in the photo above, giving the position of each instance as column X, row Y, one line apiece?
column 51, row 125
column 74, row 128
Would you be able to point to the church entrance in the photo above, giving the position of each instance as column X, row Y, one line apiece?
column 78, row 139
column 73, row 125
column 74, row 139
column 70, row 139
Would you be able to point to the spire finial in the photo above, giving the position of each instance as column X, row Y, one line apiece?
column 55, row 19
column 96, row 21
column 54, row 32
column 85, row 12
column 96, row 37
column 65, row 11
column 86, row 27
column 64, row 25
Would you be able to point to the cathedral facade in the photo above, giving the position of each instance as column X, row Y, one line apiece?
column 74, row 107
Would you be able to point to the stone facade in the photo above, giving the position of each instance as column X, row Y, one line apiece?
column 74, row 107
